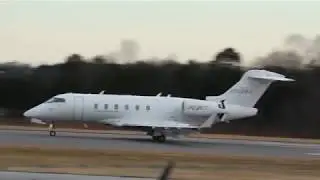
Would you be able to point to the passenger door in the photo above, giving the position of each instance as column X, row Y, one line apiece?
column 78, row 108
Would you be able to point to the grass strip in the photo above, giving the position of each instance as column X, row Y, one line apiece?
column 150, row 164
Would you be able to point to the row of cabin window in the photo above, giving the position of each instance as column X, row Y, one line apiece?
column 126, row 107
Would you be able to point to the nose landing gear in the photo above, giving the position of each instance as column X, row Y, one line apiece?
column 52, row 129
column 52, row 133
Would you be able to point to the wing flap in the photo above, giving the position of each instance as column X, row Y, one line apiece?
column 150, row 123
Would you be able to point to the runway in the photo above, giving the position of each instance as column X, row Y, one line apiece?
column 54, row 176
column 140, row 142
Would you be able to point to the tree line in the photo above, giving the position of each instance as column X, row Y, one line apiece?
column 286, row 109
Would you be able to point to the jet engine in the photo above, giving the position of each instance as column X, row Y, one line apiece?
column 201, row 108
column 209, row 108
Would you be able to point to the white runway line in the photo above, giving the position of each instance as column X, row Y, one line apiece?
column 314, row 154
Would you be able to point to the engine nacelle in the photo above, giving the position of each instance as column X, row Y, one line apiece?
column 200, row 108
column 226, row 111
column 238, row 112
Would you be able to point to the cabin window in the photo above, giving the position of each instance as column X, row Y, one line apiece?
column 106, row 106
column 96, row 106
column 116, row 106
column 137, row 107
column 147, row 107
column 126, row 107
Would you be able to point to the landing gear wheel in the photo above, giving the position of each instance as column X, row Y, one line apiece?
column 160, row 138
column 52, row 128
column 155, row 138
column 52, row 133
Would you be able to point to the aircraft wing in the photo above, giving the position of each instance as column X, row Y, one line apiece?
column 148, row 123
column 37, row 121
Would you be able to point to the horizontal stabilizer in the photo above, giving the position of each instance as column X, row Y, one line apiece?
column 267, row 75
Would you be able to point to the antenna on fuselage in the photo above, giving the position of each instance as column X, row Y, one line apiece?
column 101, row 92
column 159, row 94
column 169, row 95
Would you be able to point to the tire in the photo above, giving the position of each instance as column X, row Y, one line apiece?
column 161, row 138
column 52, row 133
column 155, row 138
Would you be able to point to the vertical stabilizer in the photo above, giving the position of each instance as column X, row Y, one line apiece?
column 250, row 88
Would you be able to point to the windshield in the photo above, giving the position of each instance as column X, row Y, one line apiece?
column 56, row 100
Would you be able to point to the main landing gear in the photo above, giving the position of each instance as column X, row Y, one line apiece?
column 157, row 136
column 161, row 138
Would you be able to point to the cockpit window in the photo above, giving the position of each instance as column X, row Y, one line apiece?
column 56, row 100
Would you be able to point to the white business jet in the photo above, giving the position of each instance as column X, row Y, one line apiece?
column 160, row 116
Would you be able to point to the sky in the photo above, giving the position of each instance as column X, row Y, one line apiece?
column 37, row 32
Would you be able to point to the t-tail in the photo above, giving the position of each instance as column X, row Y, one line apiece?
column 250, row 88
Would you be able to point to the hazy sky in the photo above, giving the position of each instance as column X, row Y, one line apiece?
column 46, row 32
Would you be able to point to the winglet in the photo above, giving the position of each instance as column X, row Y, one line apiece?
column 214, row 118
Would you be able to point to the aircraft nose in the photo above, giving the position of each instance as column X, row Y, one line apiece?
column 30, row 113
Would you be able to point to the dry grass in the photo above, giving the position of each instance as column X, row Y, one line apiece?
column 137, row 163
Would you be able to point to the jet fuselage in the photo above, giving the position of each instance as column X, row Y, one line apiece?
column 101, row 107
